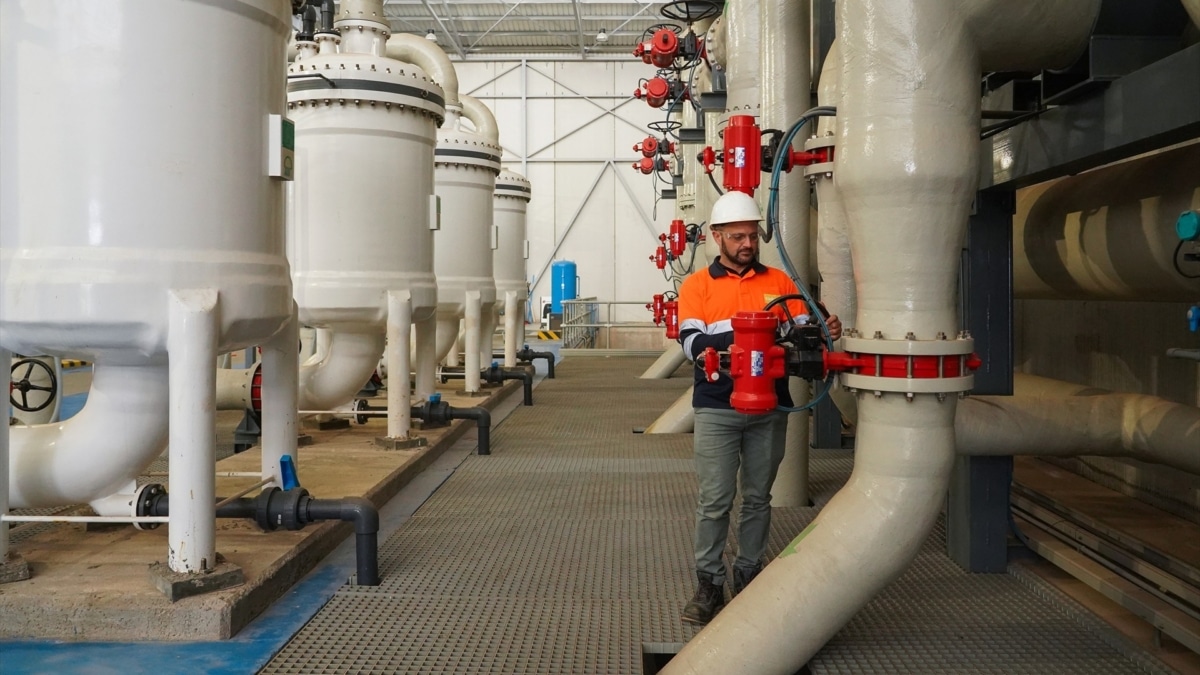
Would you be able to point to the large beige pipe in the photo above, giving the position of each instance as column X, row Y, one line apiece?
column 833, row 237
column 743, row 66
column 428, row 57
column 481, row 116
column 1193, row 10
column 666, row 365
column 786, row 93
column 680, row 418
column 1050, row 417
column 906, row 165
column 1107, row 234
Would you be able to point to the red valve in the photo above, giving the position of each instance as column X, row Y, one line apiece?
column 256, row 389
column 660, row 50
column 656, row 306
column 660, row 257
column 755, row 362
column 708, row 159
column 648, row 146
column 808, row 158
column 656, row 93
column 649, row 165
column 712, row 364
column 671, row 316
column 677, row 239
column 742, row 157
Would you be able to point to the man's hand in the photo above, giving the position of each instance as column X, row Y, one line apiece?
column 835, row 327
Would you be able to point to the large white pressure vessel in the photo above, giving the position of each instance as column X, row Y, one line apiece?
column 366, row 127
column 511, row 199
column 118, row 182
column 465, row 177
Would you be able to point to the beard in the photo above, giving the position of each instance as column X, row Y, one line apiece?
column 745, row 257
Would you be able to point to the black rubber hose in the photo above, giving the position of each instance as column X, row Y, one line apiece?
column 483, row 423
column 365, row 517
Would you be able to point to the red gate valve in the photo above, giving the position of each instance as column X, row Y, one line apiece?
column 712, row 364
column 648, row 146
column 707, row 159
column 671, row 317
column 656, row 93
column 755, row 362
column 660, row 257
column 661, row 50
column 656, row 307
column 677, row 239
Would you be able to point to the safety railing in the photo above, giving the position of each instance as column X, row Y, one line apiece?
column 590, row 323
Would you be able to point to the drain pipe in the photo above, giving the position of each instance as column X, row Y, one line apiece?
column 437, row 411
column 906, row 164
column 292, row 510
column 98, row 452
column 527, row 355
column 494, row 375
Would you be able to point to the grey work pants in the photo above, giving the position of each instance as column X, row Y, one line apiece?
column 726, row 440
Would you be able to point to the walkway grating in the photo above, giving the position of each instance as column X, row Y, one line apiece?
column 569, row 549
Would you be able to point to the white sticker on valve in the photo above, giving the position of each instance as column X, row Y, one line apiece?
column 739, row 158
column 756, row 364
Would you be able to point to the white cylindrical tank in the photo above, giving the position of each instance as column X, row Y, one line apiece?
column 466, row 166
column 512, row 196
column 366, row 127
column 106, row 207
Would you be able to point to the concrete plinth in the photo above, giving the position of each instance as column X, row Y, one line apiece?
column 179, row 585
column 391, row 443
column 13, row 567
column 93, row 586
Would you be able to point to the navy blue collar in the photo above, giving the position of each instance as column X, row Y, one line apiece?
column 717, row 270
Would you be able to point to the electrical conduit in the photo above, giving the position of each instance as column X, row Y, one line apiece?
column 906, row 164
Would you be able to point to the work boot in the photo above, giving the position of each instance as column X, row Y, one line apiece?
column 709, row 599
column 742, row 576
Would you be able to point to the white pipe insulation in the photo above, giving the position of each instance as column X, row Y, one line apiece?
column 906, row 164
column 120, row 430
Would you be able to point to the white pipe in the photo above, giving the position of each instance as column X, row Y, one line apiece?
column 331, row 381
column 192, row 346
column 1050, row 417
column 399, row 333
column 472, row 320
column 679, row 418
column 428, row 57
column 906, row 163
column 743, row 66
column 426, row 357
column 363, row 26
column 119, row 431
column 833, row 238
column 487, row 334
column 666, row 365
column 481, row 116
column 280, row 384
column 786, row 94
column 715, row 41
column 448, row 331
column 514, row 324
column 5, row 497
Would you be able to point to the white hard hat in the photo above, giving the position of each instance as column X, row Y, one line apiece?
column 735, row 207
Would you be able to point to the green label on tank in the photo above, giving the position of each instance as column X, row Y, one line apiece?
column 289, row 134
column 791, row 548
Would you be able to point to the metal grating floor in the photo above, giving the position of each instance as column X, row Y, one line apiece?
column 569, row 549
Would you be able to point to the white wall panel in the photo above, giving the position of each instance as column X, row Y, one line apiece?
column 563, row 124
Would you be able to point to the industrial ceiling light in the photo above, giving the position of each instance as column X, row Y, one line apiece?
column 602, row 36
column 431, row 36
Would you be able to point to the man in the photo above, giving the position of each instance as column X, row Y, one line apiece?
column 725, row 439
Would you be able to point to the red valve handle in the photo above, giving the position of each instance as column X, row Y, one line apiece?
column 711, row 365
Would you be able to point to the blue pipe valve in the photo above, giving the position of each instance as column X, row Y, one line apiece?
column 1193, row 317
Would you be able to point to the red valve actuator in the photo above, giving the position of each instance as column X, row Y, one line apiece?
column 677, row 239
column 648, row 146
column 656, row 307
column 742, row 157
column 755, row 362
column 649, row 165
column 656, row 93
column 671, row 317
column 660, row 257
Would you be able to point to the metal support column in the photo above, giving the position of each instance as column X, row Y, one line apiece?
column 977, row 508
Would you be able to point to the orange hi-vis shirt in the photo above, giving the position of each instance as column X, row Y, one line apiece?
column 708, row 299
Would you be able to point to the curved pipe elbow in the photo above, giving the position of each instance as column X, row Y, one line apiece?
column 430, row 58
column 122, row 428
column 358, row 510
column 333, row 381
column 481, row 116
